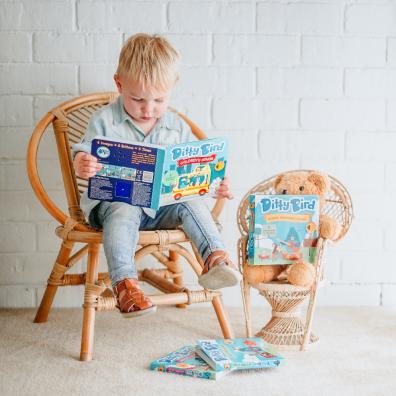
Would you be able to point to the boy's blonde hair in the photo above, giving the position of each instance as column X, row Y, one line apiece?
column 150, row 60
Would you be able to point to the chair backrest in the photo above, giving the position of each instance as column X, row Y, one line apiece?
column 69, row 121
column 338, row 203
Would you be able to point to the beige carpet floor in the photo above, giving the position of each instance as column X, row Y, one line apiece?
column 356, row 355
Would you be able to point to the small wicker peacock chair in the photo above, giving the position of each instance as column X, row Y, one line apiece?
column 286, row 330
column 69, row 121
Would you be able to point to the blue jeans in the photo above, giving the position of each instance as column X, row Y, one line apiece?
column 121, row 223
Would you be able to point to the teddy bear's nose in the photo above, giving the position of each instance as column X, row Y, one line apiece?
column 301, row 188
column 284, row 192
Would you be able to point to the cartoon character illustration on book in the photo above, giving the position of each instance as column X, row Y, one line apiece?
column 288, row 250
column 283, row 229
column 195, row 182
column 251, row 352
column 184, row 361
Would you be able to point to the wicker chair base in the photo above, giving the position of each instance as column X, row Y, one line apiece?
column 285, row 334
column 285, row 330
column 282, row 343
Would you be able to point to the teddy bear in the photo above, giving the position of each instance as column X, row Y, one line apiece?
column 299, row 273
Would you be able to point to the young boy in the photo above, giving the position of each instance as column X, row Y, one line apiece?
column 146, row 75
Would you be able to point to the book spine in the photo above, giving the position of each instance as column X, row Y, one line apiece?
column 157, row 182
column 214, row 356
column 185, row 372
column 252, row 207
column 262, row 365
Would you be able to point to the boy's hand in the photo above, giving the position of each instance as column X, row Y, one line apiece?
column 223, row 190
column 86, row 165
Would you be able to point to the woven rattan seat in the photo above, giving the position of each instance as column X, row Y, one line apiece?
column 287, row 329
column 68, row 122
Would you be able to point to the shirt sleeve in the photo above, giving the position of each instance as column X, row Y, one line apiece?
column 95, row 128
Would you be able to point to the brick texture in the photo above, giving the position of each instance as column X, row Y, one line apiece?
column 292, row 84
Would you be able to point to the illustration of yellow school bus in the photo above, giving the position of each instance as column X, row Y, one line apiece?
column 195, row 182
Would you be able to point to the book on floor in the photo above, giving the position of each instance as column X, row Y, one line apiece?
column 151, row 176
column 283, row 229
column 185, row 361
column 238, row 354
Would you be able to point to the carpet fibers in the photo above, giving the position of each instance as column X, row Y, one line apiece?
column 356, row 354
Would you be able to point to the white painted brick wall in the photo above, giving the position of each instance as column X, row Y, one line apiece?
column 279, row 78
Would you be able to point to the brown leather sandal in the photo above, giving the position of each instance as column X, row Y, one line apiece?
column 131, row 300
column 219, row 272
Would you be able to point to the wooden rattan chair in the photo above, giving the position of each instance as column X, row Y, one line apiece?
column 287, row 330
column 69, row 121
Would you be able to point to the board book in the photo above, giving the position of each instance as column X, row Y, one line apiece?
column 185, row 361
column 238, row 354
column 151, row 176
column 283, row 229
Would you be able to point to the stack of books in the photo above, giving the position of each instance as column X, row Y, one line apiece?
column 212, row 359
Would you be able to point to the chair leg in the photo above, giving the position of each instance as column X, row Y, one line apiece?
column 87, row 339
column 49, row 294
column 217, row 301
column 247, row 307
column 313, row 295
column 173, row 256
column 309, row 317
column 222, row 317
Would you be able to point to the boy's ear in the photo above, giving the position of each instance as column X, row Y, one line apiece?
column 118, row 83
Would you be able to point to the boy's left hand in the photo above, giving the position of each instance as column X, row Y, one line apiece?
column 223, row 190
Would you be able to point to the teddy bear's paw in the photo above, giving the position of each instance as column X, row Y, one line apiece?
column 329, row 228
column 255, row 274
column 301, row 274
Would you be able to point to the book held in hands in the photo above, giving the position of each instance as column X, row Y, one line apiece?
column 151, row 176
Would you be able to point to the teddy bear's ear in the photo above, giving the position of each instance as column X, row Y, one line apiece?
column 320, row 180
column 277, row 180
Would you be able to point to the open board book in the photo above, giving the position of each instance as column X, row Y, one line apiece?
column 151, row 176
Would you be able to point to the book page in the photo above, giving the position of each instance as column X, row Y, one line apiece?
column 130, row 173
column 193, row 170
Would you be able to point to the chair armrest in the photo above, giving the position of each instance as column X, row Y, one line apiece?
column 34, row 178
column 242, row 244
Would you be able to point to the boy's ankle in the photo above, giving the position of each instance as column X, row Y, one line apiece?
column 215, row 258
column 123, row 283
column 219, row 271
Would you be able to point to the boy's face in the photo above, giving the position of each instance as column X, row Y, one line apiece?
column 144, row 105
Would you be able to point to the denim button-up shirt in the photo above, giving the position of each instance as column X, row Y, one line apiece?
column 112, row 121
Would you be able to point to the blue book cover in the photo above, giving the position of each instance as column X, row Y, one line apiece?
column 151, row 176
column 238, row 354
column 283, row 229
column 184, row 361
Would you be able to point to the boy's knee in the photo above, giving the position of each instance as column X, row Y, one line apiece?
column 123, row 211
column 195, row 206
column 195, row 209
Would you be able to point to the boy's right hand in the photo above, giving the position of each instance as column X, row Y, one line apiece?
column 86, row 165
